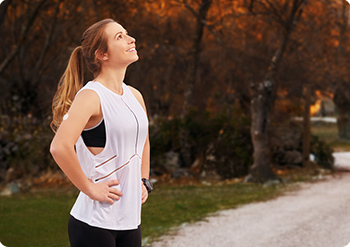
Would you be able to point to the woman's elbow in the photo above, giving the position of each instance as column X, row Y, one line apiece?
column 60, row 148
column 54, row 150
column 57, row 148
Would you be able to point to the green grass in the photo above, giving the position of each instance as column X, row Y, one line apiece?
column 40, row 219
column 35, row 219
column 328, row 132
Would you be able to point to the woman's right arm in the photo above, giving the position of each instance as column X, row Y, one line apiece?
column 85, row 106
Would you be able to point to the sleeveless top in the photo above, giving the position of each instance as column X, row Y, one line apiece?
column 126, row 126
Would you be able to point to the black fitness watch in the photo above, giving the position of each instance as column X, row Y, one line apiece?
column 148, row 185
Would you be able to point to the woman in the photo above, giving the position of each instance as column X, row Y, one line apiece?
column 101, row 142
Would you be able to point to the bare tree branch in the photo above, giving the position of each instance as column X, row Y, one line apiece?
column 23, row 36
column 300, row 11
column 198, row 17
column 3, row 9
column 35, row 77
column 278, row 15
column 251, row 5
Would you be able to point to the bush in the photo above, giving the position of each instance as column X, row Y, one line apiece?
column 221, row 143
column 323, row 153
column 230, row 153
column 222, row 146
column 30, row 139
column 286, row 145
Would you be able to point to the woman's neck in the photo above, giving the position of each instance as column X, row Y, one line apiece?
column 113, row 80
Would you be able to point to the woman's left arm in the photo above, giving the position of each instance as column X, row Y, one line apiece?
column 145, row 163
column 145, row 166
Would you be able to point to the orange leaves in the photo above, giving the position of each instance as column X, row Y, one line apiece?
column 259, row 36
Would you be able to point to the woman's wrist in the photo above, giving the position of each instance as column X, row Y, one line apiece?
column 88, row 188
column 147, row 184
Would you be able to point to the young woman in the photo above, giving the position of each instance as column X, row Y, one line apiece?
column 101, row 142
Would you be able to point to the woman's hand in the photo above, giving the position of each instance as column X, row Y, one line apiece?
column 144, row 193
column 103, row 192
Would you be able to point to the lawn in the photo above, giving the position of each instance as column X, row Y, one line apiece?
column 40, row 218
column 35, row 219
column 328, row 132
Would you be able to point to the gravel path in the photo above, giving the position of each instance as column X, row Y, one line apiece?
column 317, row 215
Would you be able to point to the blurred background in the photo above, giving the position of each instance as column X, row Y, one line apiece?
column 211, row 72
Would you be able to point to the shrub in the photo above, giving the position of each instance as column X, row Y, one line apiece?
column 323, row 153
column 222, row 143
column 230, row 153
column 31, row 140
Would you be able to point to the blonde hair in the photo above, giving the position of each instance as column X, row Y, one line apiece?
column 72, row 80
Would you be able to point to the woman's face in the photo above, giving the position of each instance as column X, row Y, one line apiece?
column 121, row 46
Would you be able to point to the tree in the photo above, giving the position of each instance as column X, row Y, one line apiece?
column 191, row 75
column 285, row 14
column 25, row 85
column 23, row 34
column 194, row 53
column 341, row 92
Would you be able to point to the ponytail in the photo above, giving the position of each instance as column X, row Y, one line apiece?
column 70, row 83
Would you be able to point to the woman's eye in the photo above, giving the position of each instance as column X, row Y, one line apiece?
column 119, row 36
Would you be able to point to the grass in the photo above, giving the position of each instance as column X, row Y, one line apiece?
column 40, row 219
column 35, row 219
column 328, row 132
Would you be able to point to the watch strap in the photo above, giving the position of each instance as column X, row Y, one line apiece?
column 147, row 184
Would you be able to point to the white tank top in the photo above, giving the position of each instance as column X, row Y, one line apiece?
column 126, row 126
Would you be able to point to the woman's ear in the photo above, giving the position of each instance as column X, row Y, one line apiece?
column 101, row 56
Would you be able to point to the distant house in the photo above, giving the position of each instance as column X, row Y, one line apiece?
column 323, row 106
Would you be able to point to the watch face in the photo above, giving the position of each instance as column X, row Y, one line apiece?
column 148, row 184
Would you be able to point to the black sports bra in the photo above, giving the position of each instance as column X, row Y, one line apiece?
column 95, row 137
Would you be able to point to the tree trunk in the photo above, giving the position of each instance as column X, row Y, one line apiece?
column 191, row 76
column 194, row 53
column 261, row 101
column 260, row 106
column 343, row 123
column 341, row 99
column 341, row 96
column 306, row 135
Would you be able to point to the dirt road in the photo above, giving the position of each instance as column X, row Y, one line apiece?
column 317, row 215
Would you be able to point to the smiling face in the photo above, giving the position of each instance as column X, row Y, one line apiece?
column 121, row 47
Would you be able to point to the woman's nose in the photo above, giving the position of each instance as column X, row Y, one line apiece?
column 132, row 39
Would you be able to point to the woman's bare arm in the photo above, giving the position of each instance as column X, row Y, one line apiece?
column 84, row 108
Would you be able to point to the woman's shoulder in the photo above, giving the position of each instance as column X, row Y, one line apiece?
column 93, row 85
column 87, row 100
column 89, row 89
column 88, row 93
column 137, row 95
column 135, row 92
